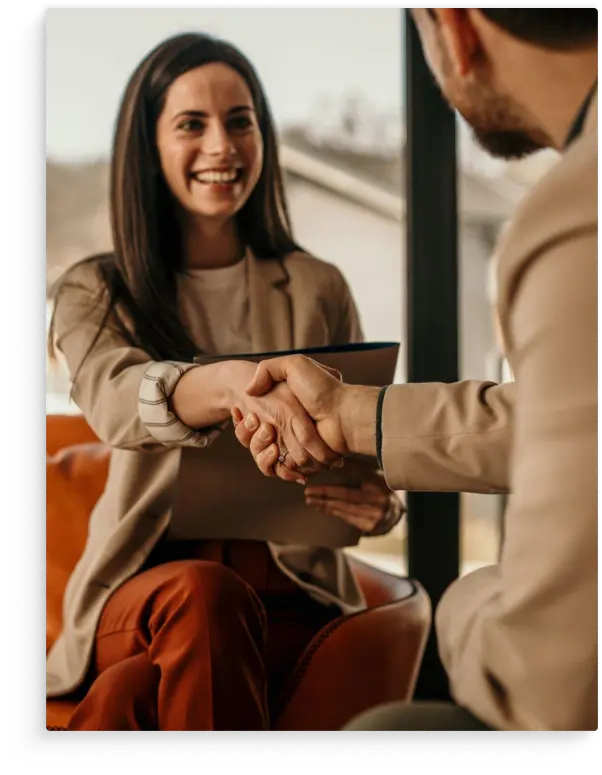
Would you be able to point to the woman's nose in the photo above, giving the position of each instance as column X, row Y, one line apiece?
column 217, row 141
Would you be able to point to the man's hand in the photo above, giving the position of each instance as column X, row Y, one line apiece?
column 345, row 415
column 318, row 390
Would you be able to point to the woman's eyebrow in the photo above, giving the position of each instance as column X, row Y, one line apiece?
column 203, row 114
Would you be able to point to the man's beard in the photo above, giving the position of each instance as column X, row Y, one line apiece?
column 504, row 143
column 499, row 125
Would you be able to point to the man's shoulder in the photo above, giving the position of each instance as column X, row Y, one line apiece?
column 566, row 197
column 562, row 206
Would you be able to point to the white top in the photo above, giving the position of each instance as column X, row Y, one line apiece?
column 214, row 304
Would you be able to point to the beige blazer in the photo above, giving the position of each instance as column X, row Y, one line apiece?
column 294, row 303
column 518, row 639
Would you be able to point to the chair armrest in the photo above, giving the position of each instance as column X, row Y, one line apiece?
column 357, row 662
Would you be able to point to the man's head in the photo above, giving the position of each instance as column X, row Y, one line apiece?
column 476, row 55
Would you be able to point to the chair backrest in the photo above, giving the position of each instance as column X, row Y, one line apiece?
column 65, row 430
column 76, row 472
column 378, row 586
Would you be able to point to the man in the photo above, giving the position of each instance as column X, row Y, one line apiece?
column 518, row 640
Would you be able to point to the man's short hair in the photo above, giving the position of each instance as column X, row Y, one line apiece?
column 559, row 28
column 551, row 27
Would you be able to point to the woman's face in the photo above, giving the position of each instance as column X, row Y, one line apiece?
column 209, row 142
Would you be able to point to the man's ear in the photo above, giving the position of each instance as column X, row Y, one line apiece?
column 460, row 37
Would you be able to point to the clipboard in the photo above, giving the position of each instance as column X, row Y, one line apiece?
column 363, row 363
column 221, row 494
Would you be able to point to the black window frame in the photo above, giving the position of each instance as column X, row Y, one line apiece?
column 432, row 288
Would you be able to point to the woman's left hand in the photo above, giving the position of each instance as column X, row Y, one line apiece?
column 372, row 507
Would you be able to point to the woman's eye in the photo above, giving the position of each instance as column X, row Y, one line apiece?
column 240, row 123
column 192, row 125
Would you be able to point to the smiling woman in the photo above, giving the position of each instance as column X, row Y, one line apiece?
column 199, row 634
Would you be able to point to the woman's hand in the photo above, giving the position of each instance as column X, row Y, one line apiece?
column 262, row 439
column 373, row 508
column 279, row 408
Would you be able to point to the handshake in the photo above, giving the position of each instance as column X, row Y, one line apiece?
column 299, row 418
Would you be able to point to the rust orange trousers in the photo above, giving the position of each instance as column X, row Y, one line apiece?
column 205, row 637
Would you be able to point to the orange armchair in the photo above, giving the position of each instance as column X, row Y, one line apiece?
column 352, row 664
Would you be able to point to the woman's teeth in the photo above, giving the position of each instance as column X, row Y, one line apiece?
column 213, row 176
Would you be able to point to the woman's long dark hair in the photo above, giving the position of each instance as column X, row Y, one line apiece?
column 140, row 275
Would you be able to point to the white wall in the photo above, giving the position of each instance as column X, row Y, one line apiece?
column 475, row 312
column 368, row 248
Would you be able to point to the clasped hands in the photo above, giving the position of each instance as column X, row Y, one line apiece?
column 326, row 419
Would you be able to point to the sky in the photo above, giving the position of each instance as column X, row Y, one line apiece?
column 301, row 55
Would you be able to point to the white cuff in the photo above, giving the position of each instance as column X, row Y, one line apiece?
column 154, row 407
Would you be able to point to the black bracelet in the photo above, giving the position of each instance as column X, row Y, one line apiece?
column 379, row 420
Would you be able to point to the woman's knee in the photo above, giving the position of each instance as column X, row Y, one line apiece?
column 214, row 588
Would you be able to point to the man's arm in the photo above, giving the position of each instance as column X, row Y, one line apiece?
column 519, row 641
column 447, row 437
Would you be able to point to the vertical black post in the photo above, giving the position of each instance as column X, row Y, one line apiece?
column 432, row 319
